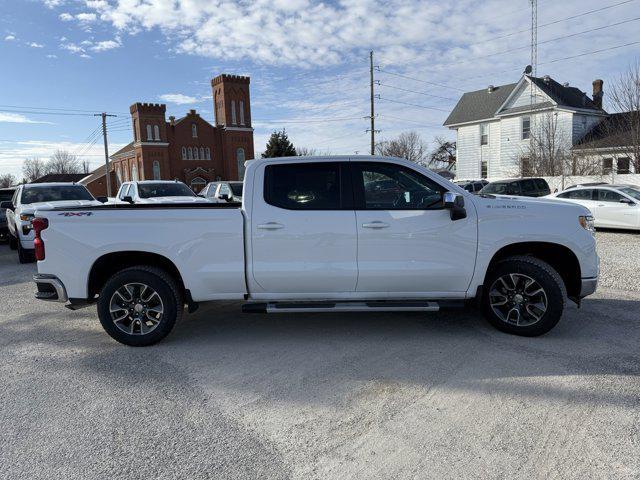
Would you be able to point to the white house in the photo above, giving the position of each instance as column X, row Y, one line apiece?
column 494, row 125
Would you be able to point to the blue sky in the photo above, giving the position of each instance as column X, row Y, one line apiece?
column 308, row 63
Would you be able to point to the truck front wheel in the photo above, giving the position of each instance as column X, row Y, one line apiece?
column 139, row 306
column 524, row 296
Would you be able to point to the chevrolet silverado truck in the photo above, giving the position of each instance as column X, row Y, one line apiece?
column 321, row 234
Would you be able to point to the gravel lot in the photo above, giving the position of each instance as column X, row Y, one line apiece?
column 324, row 396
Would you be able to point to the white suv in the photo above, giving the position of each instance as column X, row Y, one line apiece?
column 40, row 196
column 156, row 191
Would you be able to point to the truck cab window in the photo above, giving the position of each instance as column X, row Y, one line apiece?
column 307, row 186
column 386, row 186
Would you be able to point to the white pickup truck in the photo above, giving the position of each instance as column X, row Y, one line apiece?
column 320, row 234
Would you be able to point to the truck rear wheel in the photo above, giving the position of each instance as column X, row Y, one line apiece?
column 13, row 242
column 139, row 306
column 524, row 296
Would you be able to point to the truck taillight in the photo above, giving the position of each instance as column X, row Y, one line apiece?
column 39, row 224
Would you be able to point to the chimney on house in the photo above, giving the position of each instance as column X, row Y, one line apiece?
column 172, row 120
column 597, row 92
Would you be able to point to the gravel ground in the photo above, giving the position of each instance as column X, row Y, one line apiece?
column 324, row 396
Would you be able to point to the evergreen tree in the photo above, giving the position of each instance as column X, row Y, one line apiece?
column 279, row 146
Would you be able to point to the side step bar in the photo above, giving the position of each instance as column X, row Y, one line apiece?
column 376, row 306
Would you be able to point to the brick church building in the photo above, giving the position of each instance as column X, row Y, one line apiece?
column 189, row 148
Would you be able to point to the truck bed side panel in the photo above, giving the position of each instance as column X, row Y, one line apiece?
column 206, row 245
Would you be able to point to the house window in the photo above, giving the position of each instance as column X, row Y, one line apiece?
column 623, row 165
column 607, row 166
column 198, row 184
column 525, row 167
column 194, row 130
column 156, row 132
column 149, row 133
column 190, row 153
column 134, row 172
column 240, row 159
column 156, row 170
column 202, row 157
column 184, row 153
column 526, row 128
column 208, row 153
column 195, row 153
column 484, row 134
column 119, row 175
column 483, row 169
column 241, row 107
column 233, row 112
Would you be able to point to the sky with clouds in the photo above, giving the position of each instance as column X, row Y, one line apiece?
column 64, row 60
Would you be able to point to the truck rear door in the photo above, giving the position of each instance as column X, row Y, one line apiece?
column 303, row 229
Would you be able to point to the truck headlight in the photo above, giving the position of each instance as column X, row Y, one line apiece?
column 586, row 222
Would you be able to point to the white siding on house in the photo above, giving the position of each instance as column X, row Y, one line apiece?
column 582, row 124
column 467, row 151
column 522, row 97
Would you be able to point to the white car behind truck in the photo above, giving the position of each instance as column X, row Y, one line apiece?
column 313, row 235
column 39, row 196
column 156, row 191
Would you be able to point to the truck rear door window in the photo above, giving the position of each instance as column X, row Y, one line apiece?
column 303, row 186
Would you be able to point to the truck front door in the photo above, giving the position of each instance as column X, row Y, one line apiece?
column 408, row 246
column 303, row 229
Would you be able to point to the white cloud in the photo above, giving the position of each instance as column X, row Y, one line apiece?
column 53, row 3
column 86, row 17
column 105, row 45
column 9, row 38
column 51, row 55
column 178, row 98
column 6, row 117
column 35, row 45
column 65, row 17
column 72, row 47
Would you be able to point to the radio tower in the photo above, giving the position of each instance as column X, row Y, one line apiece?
column 534, row 37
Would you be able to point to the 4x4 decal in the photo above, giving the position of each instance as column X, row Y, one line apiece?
column 76, row 214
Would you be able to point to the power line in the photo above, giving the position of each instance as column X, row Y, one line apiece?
column 419, row 93
column 413, row 104
column 417, row 79
column 590, row 53
column 314, row 120
column 47, row 113
column 411, row 121
column 51, row 109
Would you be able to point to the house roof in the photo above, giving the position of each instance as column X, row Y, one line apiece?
column 125, row 149
column 96, row 174
column 479, row 105
column 60, row 178
column 484, row 104
column 613, row 131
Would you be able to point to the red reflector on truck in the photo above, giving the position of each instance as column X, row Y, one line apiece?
column 39, row 224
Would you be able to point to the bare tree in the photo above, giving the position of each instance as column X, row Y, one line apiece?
column 63, row 162
column 408, row 145
column 33, row 168
column 548, row 150
column 310, row 152
column 7, row 180
column 623, row 135
column 86, row 166
column 444, row 155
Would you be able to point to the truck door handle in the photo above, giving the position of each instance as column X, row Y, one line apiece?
column 270, row 226
column 376, row 224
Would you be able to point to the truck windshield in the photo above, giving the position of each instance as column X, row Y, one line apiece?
column 236, row 189
column 54, row 194
column 150, row 190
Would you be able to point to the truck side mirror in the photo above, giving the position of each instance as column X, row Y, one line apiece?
column 454, row 202
column 628, row 201
column 128, row 199
column 102, row 199
column 224, row 196
column 8, row 205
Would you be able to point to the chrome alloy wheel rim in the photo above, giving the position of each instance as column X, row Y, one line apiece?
column 518, row 299
column 136, row 309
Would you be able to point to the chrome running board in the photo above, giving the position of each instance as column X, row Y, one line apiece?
column 312, row 307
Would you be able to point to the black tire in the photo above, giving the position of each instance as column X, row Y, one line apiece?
column 25, row 255
column 13, row 242
column 554, row 292
column 154, row 278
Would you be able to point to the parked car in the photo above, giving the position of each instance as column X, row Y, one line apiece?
column 591, row 184
column 613, row 206
column 311, row 238
column 223, row 191
column 6, row 194
column 155, row 191
column 524, row 187
column 473, row 186
column 41, row 196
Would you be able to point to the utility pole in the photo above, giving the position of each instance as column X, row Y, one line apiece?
column 104, row 116
column 372, row 116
